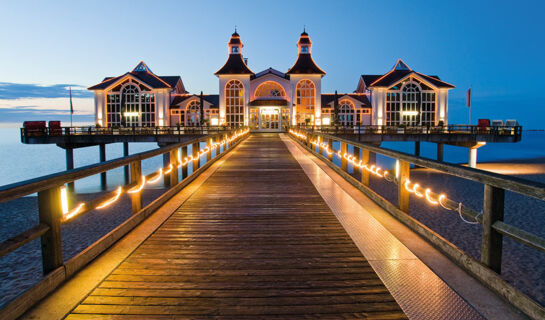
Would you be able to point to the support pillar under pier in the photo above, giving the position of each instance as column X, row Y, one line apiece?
column 472, row 158
column 70, row 166
column 102, row 155
column 126, row 168
column 440, row 148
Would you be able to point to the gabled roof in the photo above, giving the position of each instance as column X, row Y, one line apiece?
column 305, row 65
column 234, row 65
column 270, row 71
column 400, row 71
column 328, row 98
column 142, row 73
column 369, row 78
column 213, row 99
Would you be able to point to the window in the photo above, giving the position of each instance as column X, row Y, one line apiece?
column 305, row 100
column 130, row 104
column 412, row 103
column 234, row 49
column 269, row 89
column 304, row 49
column 346, row 113
column 193, row 113
column 234, row 103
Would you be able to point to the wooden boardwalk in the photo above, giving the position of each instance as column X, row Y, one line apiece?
column 255, row 241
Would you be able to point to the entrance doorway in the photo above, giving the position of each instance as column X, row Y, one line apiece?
column 269, row 119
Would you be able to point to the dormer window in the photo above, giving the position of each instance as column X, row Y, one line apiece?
column 304, row 49
column 234, row 50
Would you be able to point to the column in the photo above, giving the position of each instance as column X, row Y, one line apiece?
column 126, row 168
column 472, row 158
column 102, row 155
column 440, row 152
column 70, row 166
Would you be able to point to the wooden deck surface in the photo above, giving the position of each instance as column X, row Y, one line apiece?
column 255, row 241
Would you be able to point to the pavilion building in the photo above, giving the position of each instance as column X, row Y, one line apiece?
column 271, row 100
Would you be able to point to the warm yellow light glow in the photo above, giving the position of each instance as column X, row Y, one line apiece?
column 64, row 200
column 409, row 113
column 112, row 199
column 428, row 197
column 415, row 189
column 138, row 188
column 157, row 176
column 130, row 114
column 326, row 121
column 214, row 121
column 74, row 212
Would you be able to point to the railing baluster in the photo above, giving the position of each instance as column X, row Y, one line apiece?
column 344, row 162
column 50, row 213
column 330, row 146
column 493, row 209
column 402, row 194
column 365, row 173
column 136, row 177
column 184, row 168
column 174, row 169
column 196, row 162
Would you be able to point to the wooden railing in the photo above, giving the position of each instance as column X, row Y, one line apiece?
column 53, row 212
column 488, row 269
column 403, row 130
column 93, row 130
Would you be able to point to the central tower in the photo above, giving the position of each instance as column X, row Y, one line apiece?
column 306, row 85
column 234, row 85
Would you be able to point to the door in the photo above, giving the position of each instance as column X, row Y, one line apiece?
column 269, row 119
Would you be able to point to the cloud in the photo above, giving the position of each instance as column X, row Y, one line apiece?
column 10, row 90
column 81, row 105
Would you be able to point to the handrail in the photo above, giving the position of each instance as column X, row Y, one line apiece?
column 23, row 188
column 419, row 129
column 523, row 186
column 488, row 269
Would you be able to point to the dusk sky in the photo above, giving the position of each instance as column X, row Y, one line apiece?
column 497, row 47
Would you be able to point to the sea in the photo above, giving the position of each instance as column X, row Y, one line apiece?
column 19, row 162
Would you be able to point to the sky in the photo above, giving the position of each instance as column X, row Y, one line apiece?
column 496, row 47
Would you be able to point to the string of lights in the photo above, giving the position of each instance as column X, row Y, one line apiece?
column 432, row 198
column 70, row 214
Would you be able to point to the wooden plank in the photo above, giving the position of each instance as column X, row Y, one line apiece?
column 22, row 239
column 492, row 240
column 256, row 239
column 50, row 214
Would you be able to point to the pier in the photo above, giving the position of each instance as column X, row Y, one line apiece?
column 279, row 226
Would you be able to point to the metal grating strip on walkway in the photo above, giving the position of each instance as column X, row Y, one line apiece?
column 419, row 291
column 255, row 241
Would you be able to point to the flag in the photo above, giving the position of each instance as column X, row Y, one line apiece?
column 71, row 106
column 468, row 100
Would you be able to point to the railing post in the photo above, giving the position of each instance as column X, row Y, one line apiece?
column 166, row 163
column 136, row 177
column 50, row 213
column 365, row 173
column 358, row 157
column 209, row 153
column 126, row 168
column 102, row 155
column 493, row 209
column 344, row 162
column 330, row 146
column 440, row 152
column 196, row 162
column 402, row 194
column 184, row 168
column 174, row 164
column 70, row 166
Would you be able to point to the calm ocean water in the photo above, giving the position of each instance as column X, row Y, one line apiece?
column 20, row 162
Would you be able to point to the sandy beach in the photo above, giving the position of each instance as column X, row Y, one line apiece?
column 522, row 267
column 22, row 268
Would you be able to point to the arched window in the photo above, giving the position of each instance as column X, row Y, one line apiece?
column 305, row 94
column 234, row 103
column 193, row 113
column 270, row 89
column 130, row 104
column 346, row 113
column 411, row 103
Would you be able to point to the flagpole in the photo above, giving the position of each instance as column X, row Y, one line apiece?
column 71, row 107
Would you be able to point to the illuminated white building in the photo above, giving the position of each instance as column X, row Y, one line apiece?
column 271, row 100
